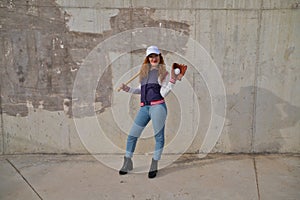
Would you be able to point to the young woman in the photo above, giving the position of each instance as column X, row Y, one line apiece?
column 155, row 84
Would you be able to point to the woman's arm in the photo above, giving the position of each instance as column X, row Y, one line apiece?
column 135, row 90
column 126, row 88
column 166, row 85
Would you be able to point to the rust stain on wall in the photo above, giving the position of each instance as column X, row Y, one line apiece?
column 40, row 56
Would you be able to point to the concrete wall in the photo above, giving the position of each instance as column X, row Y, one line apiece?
column 44, row 43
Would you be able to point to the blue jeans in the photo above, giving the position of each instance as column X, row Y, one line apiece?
column 158, row 115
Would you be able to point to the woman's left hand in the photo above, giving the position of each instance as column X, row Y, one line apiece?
column 174, row 76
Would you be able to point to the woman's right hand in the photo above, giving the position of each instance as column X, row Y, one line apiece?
column 125, row 87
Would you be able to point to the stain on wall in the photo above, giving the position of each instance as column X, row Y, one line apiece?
column 41, row 55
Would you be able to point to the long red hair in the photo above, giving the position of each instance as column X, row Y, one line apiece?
column 146, row 68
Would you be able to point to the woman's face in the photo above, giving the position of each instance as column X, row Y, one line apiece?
column 154, row 59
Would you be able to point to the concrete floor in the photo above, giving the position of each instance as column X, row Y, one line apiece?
column 213, row 177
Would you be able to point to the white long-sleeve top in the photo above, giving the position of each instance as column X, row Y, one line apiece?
column 166, row 86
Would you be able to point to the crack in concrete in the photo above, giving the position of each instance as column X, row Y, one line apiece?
column 18, row 171
column 255, row 78
column 1, row 123
column 256, row 178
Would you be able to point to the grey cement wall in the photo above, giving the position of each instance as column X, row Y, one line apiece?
column 255, row 45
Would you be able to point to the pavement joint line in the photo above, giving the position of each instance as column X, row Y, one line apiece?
column 24, row 178
column 256, row 178
column 292, row 7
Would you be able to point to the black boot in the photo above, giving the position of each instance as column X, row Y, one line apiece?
column 127, row 166
column 153, row 169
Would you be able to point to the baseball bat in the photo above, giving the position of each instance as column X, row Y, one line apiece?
column 131, row 79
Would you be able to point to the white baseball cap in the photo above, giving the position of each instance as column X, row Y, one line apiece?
column 152, row 49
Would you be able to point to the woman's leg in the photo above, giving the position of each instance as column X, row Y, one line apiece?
column 158, row 115
column 140, row 122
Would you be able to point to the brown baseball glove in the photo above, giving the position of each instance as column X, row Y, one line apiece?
column 182, row 69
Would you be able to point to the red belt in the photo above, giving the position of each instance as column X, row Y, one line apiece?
column 154, row 102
